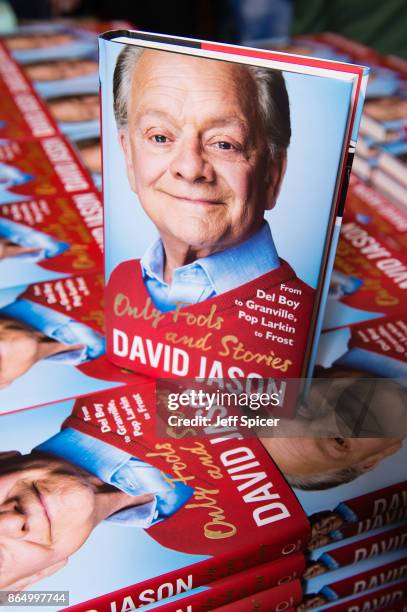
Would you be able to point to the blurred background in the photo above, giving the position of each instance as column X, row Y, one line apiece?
column 380, row 25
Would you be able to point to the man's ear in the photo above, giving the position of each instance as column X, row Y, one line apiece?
column 275, row 177
column 125, row 146
column 371, row 462
column 23, row 583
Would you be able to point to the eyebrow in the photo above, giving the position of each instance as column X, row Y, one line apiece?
column 211, row 122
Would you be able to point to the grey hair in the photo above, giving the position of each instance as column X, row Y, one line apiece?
column 324, row 480
column 273, row 102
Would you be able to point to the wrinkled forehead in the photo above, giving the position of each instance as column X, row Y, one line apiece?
column 162, row 73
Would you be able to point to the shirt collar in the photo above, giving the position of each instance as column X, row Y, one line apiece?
column 152, row 262
column 242, row 263
column 60, row 327
column 227, row 269
column 89, row 453
column 104, row 461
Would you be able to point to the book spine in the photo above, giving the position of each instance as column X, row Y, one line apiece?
column 387, row 500
column 230, row 577
column 258, row 585
column 359, row 528
column 367, row 580
column 390, row 500
column 390, row 598
column 278, row 599
column 362, row 549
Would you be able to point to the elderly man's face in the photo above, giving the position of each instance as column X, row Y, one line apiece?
column 38, row 41
column 47, row 509
column 196, row 151
column 387, row 109
column 303, row 456
column 91, row 155
column 19, row 350
column 75, row 108
column 61, row 69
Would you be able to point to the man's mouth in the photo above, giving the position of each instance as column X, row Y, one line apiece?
column 203, row 200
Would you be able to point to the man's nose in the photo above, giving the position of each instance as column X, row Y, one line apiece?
column 12, row 520
column 190, row 162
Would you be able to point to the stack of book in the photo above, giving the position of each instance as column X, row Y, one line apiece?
column 110, row 499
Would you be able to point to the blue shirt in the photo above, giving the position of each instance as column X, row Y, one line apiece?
column 209, row 276
column 59, row 327
column 44, row 245
column 123, row 471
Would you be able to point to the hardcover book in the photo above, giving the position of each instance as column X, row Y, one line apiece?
column 391, row 597
column 197, row 499
column 22, row 113
column 44, row 167
column 393, row 159
column 47, row 238
column 370, row 275
column 315, row 594
column 385, row 120
column 61, row 77
column 354, row 580
column 390, row 187
column 217, row 283
column 49, row 41
column 389, row 221
column 52, row 342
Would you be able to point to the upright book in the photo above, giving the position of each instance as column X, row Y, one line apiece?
column 204, row 277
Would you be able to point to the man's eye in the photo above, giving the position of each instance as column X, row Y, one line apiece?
column 225, row 146
column 160, row 138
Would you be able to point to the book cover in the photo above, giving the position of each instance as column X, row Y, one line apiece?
column 389, row 221
column 185, row 511
column 363, row 513
column 76, row 114
column 220, row 489
column 369, row 278
column 48, row 238
column 384, row 119
column 390, row 187
column 49, row 41
column 375, row 348
column 89, row 150
column 392, row 159
column 61, row 77
column 259, row 321
column 22, row 113
column 43, row 167
column 52, row 342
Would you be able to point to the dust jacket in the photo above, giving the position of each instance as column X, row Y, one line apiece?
column 217, row 258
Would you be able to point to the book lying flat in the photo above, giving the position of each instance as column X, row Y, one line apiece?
column 46, row 238
column 207, row 495
column 53, row 345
